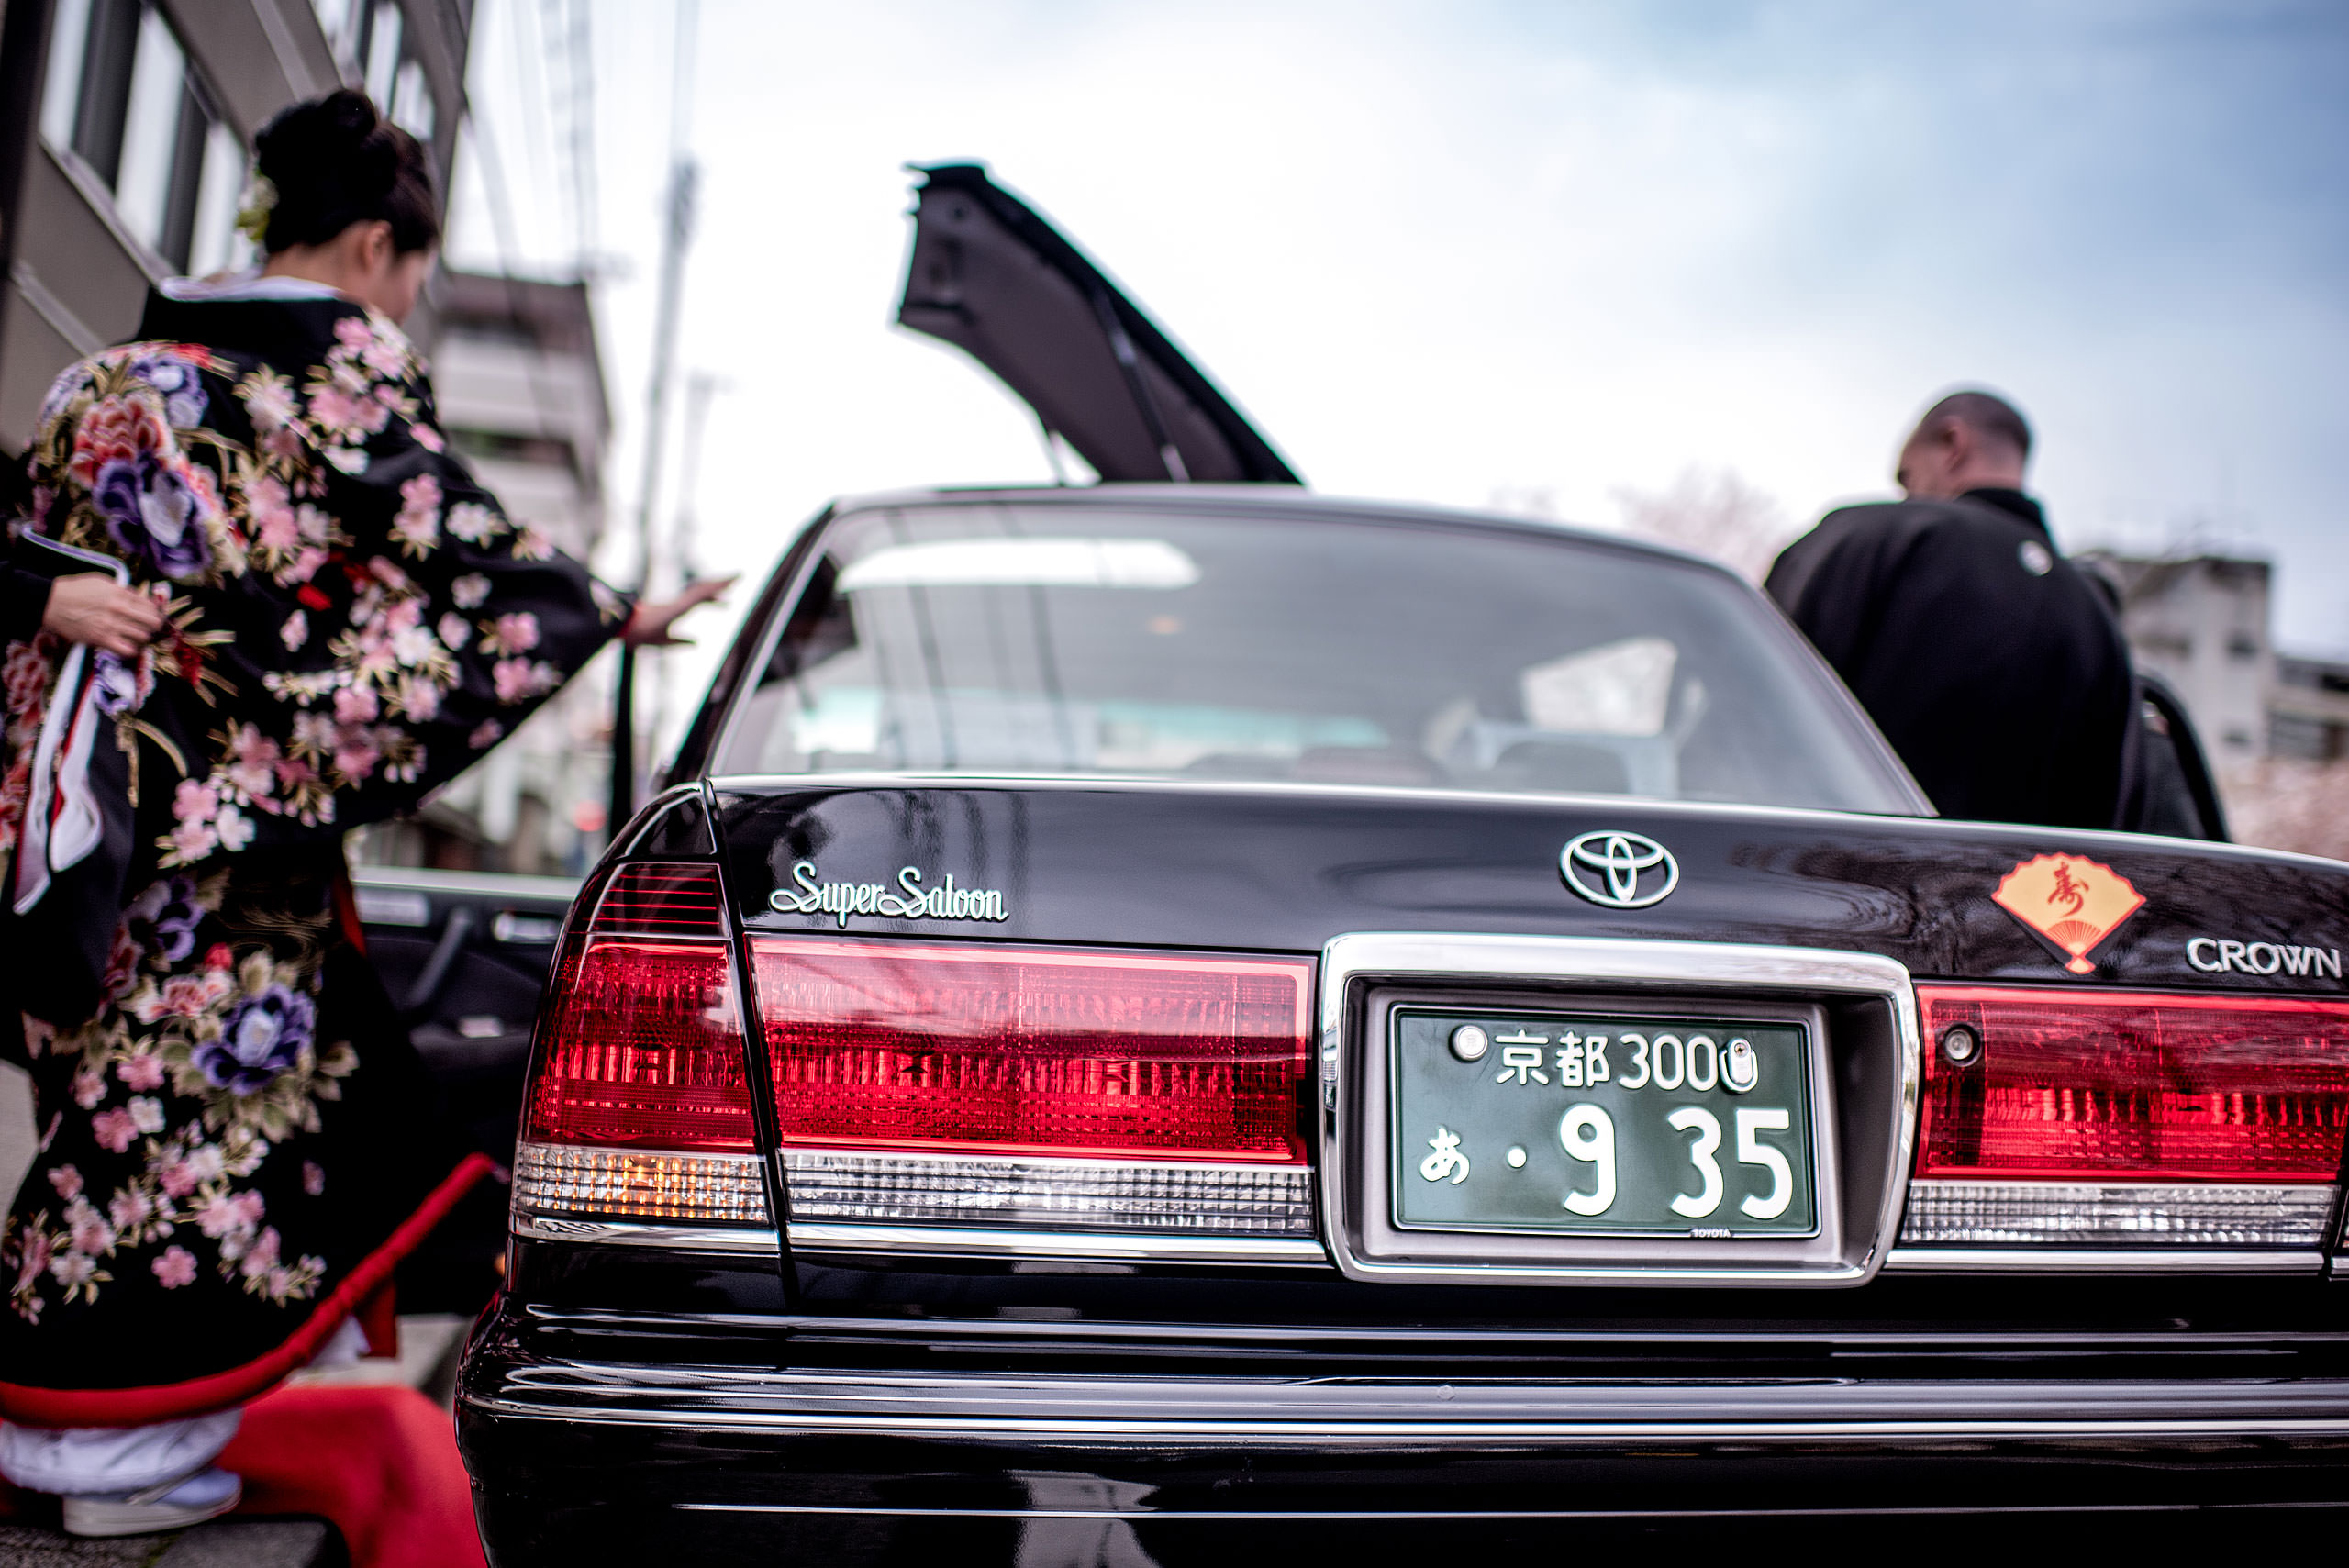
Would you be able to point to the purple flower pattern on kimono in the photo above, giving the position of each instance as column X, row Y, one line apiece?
column 206, row 1063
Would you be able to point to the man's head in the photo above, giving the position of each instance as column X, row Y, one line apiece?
column 1968, row 441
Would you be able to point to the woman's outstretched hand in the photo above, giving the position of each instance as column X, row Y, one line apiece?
column 92, row 607
column 649, row 627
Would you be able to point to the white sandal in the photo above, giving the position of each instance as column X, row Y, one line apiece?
column 172, row 1505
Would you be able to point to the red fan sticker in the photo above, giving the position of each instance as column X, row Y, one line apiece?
column 2072, row 901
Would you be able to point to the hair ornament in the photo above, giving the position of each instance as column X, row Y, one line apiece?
column 252, row 211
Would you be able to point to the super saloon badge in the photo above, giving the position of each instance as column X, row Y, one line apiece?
column 1620, row 871
column 909, row 900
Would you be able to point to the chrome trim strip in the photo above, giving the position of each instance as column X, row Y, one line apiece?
column 469, row 884
column 1602, row 960
column 1305, row 1410
column 2104, row 1260
column 624, row 1233
column 1342, row 1434
column 938, row 1241
column 921, row 778
column 1415, row 1514
column 1140, row 1160
column 2018, row 1511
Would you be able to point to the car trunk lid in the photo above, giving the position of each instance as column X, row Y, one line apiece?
column 990, row 275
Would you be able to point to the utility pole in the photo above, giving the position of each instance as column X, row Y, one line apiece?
column 683, row 174
column 701, row 386
column 685, row 531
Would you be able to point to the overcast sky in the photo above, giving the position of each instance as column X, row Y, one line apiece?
column 1455, row 252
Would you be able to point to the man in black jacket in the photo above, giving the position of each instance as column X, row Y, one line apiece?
column 1993, row 666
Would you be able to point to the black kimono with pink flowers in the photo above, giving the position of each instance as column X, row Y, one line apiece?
column 236, row 1141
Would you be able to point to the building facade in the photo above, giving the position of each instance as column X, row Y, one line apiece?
column 2200, row 623
column 2273, row 725
column 125, row 128
column 2308, row 711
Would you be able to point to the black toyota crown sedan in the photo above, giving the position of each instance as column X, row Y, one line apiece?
column 1177, row 1022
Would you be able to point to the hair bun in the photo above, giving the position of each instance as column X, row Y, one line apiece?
column 336, row 161
column 326, row 141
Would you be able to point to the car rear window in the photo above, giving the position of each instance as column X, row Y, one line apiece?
column 997, row 639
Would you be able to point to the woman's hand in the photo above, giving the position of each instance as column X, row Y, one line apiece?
column 92, row 607
column 649, row 627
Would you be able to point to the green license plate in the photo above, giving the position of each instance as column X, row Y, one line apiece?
column 1594, row 1124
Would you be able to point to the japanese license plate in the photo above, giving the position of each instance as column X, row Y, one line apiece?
column 1596, row 1124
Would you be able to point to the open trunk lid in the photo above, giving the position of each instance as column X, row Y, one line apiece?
column 991, row 277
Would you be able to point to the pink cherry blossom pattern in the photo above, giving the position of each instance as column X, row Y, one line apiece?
column 114, row 1129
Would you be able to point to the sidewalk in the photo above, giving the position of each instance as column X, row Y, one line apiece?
column 223, row 1543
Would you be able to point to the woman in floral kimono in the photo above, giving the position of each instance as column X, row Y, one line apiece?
column 255, row 602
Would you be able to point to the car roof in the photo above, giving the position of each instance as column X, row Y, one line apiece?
column 1260, row 499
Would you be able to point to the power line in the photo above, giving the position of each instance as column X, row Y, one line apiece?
column 579, row 102
column 535, row 103
column 701, row 388
column 489, row 156
column 677, row 235
column 684, row 530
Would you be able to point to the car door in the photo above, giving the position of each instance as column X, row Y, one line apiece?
column 464, row 956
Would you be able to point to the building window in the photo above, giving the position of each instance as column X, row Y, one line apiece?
column 412, row 108
column 339, row 19
column 383, row 62
column 61, row 94
column 154, row 190
column 503, row 446
column 216, row 246
column 2310, row 739
column 395, row 80
column 122, row 98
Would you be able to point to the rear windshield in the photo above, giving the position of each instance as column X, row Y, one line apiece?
column 1062, row 639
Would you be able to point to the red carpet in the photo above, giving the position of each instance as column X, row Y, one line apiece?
column 381, row 1462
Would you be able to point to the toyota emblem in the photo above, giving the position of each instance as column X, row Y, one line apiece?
column 1621, row 870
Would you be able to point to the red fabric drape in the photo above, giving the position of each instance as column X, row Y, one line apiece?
column 381, row 1462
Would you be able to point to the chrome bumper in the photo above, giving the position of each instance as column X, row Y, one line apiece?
column 1174, row 1413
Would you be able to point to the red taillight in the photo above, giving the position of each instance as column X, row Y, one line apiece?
column 2077, row 1086
column 643, row 1046
column 2086, row 1119
column 638, row 1103
column 660, row 897
column 1006, row 1050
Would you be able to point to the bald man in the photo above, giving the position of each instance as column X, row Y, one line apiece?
column 1994, row 667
